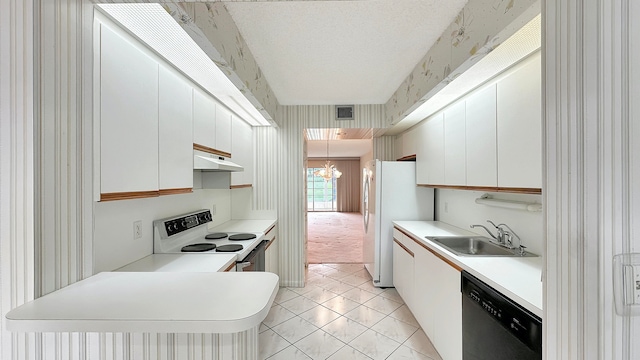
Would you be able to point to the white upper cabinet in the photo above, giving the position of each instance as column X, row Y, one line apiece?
column 409, row 143
column 223, row 129
column 242, row 150
column 128, row 116
column 204, row 119
column 482, row 161
column 175, row 131
column 430, row 160
column 519, row 130
column 454, row 145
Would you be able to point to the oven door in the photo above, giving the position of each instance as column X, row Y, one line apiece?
column 254, row 261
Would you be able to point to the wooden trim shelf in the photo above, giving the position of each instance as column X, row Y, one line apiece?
column 129, row 195
column 230, row 267
column 271, row 228
column 175, row 191
column 451, row 263
column 408, row 158
column 210, row 150
column 534, row 191
column 403, row 247
column 241, row 186
column 269, row 243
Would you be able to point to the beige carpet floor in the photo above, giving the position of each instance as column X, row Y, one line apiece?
column 334, row 237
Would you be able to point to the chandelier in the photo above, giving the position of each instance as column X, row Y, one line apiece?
column 329, row 171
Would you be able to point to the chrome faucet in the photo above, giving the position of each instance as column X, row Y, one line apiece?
column 504, row 237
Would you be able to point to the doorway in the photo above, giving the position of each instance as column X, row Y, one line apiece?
column 334, row 161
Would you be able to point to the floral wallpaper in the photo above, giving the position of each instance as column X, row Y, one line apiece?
column 479, row 28
column 212, row 28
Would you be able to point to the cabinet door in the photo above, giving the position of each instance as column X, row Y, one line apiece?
column 403, row 270
column 425, row 290
column 520, row 127
column 482, row 161
column 204, row 119
column 454, row 145
column 176, row 131
column 410, row 143
column 434, row 149
column 447, row 311
column 223, row 129
column 242, row 152
column 128, row 116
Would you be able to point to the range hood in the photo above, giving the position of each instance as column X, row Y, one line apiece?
column 210, row 162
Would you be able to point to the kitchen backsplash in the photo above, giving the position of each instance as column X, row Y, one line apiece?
column 114, row 245
column 458, row 208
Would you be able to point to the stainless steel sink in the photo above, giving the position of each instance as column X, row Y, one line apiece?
column 474, row 246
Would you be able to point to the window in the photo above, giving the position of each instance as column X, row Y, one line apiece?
column 321, row 194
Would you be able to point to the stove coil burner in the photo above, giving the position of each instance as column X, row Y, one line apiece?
column 240, row 237
column 198, row 247
column 229, row 248
column 216, row 236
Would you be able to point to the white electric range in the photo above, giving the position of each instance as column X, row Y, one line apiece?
column 187, row 233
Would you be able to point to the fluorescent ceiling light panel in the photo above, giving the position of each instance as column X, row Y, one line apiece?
column 152, row 25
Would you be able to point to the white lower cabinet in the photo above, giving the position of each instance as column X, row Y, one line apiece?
column 271, row 253
column 434, row 299
column 403, row 270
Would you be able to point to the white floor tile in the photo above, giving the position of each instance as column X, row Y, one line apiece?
column 393, row 329
column 306, row 289
column 290, row 353
column 381, row 304
column 285, row 294
column 358, row 295
column 320, row 295
column 299, row 305
column 270, row 343
column 319, row 345
column 421, row 343
column 404, row 314
column 324, row 282
column 344, row 329
column 354, row 280
column 263, row 328
column 277, row 315
column 294, row 329
column 365, row 315
column 349, row 353
column 368, row 286
column 374, row 345
column 337, row 274
column 406, row 353
column 319, row 316
column 340, row 304
column 338, row 287
column 392, row 294
column 363, row 273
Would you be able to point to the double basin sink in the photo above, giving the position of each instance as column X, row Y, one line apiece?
column 475, row 246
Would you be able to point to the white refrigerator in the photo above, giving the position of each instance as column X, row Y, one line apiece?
column 389, row 193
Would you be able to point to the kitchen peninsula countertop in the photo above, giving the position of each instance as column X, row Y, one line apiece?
column 519, row 278
column 154, row 302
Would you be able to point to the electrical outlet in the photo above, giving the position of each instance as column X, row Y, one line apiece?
column 635, row 284
column 137, row 229
column 446, row 207
column 213, row 209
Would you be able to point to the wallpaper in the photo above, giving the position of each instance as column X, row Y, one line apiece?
column 479, row 28
column 211, row 27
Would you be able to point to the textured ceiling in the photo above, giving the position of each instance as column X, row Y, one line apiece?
column 340, row 52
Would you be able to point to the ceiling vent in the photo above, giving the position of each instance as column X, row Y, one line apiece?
column 344, row 112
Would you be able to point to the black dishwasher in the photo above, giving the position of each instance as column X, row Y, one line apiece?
column 494, row 327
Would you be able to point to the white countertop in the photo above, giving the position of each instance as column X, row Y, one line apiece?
column 244, row 226
column 182, row 263
column 154, row 302
column 519, row 278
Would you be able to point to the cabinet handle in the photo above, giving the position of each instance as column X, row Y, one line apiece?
column 403, row 247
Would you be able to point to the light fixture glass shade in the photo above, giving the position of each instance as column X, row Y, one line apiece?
column 328, row 172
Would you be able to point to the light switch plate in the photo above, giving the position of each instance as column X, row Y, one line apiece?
column 626, row 284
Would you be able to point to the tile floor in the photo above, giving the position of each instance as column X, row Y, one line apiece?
column 340, row 315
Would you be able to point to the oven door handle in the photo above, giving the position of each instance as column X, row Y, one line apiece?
column 243, row 265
